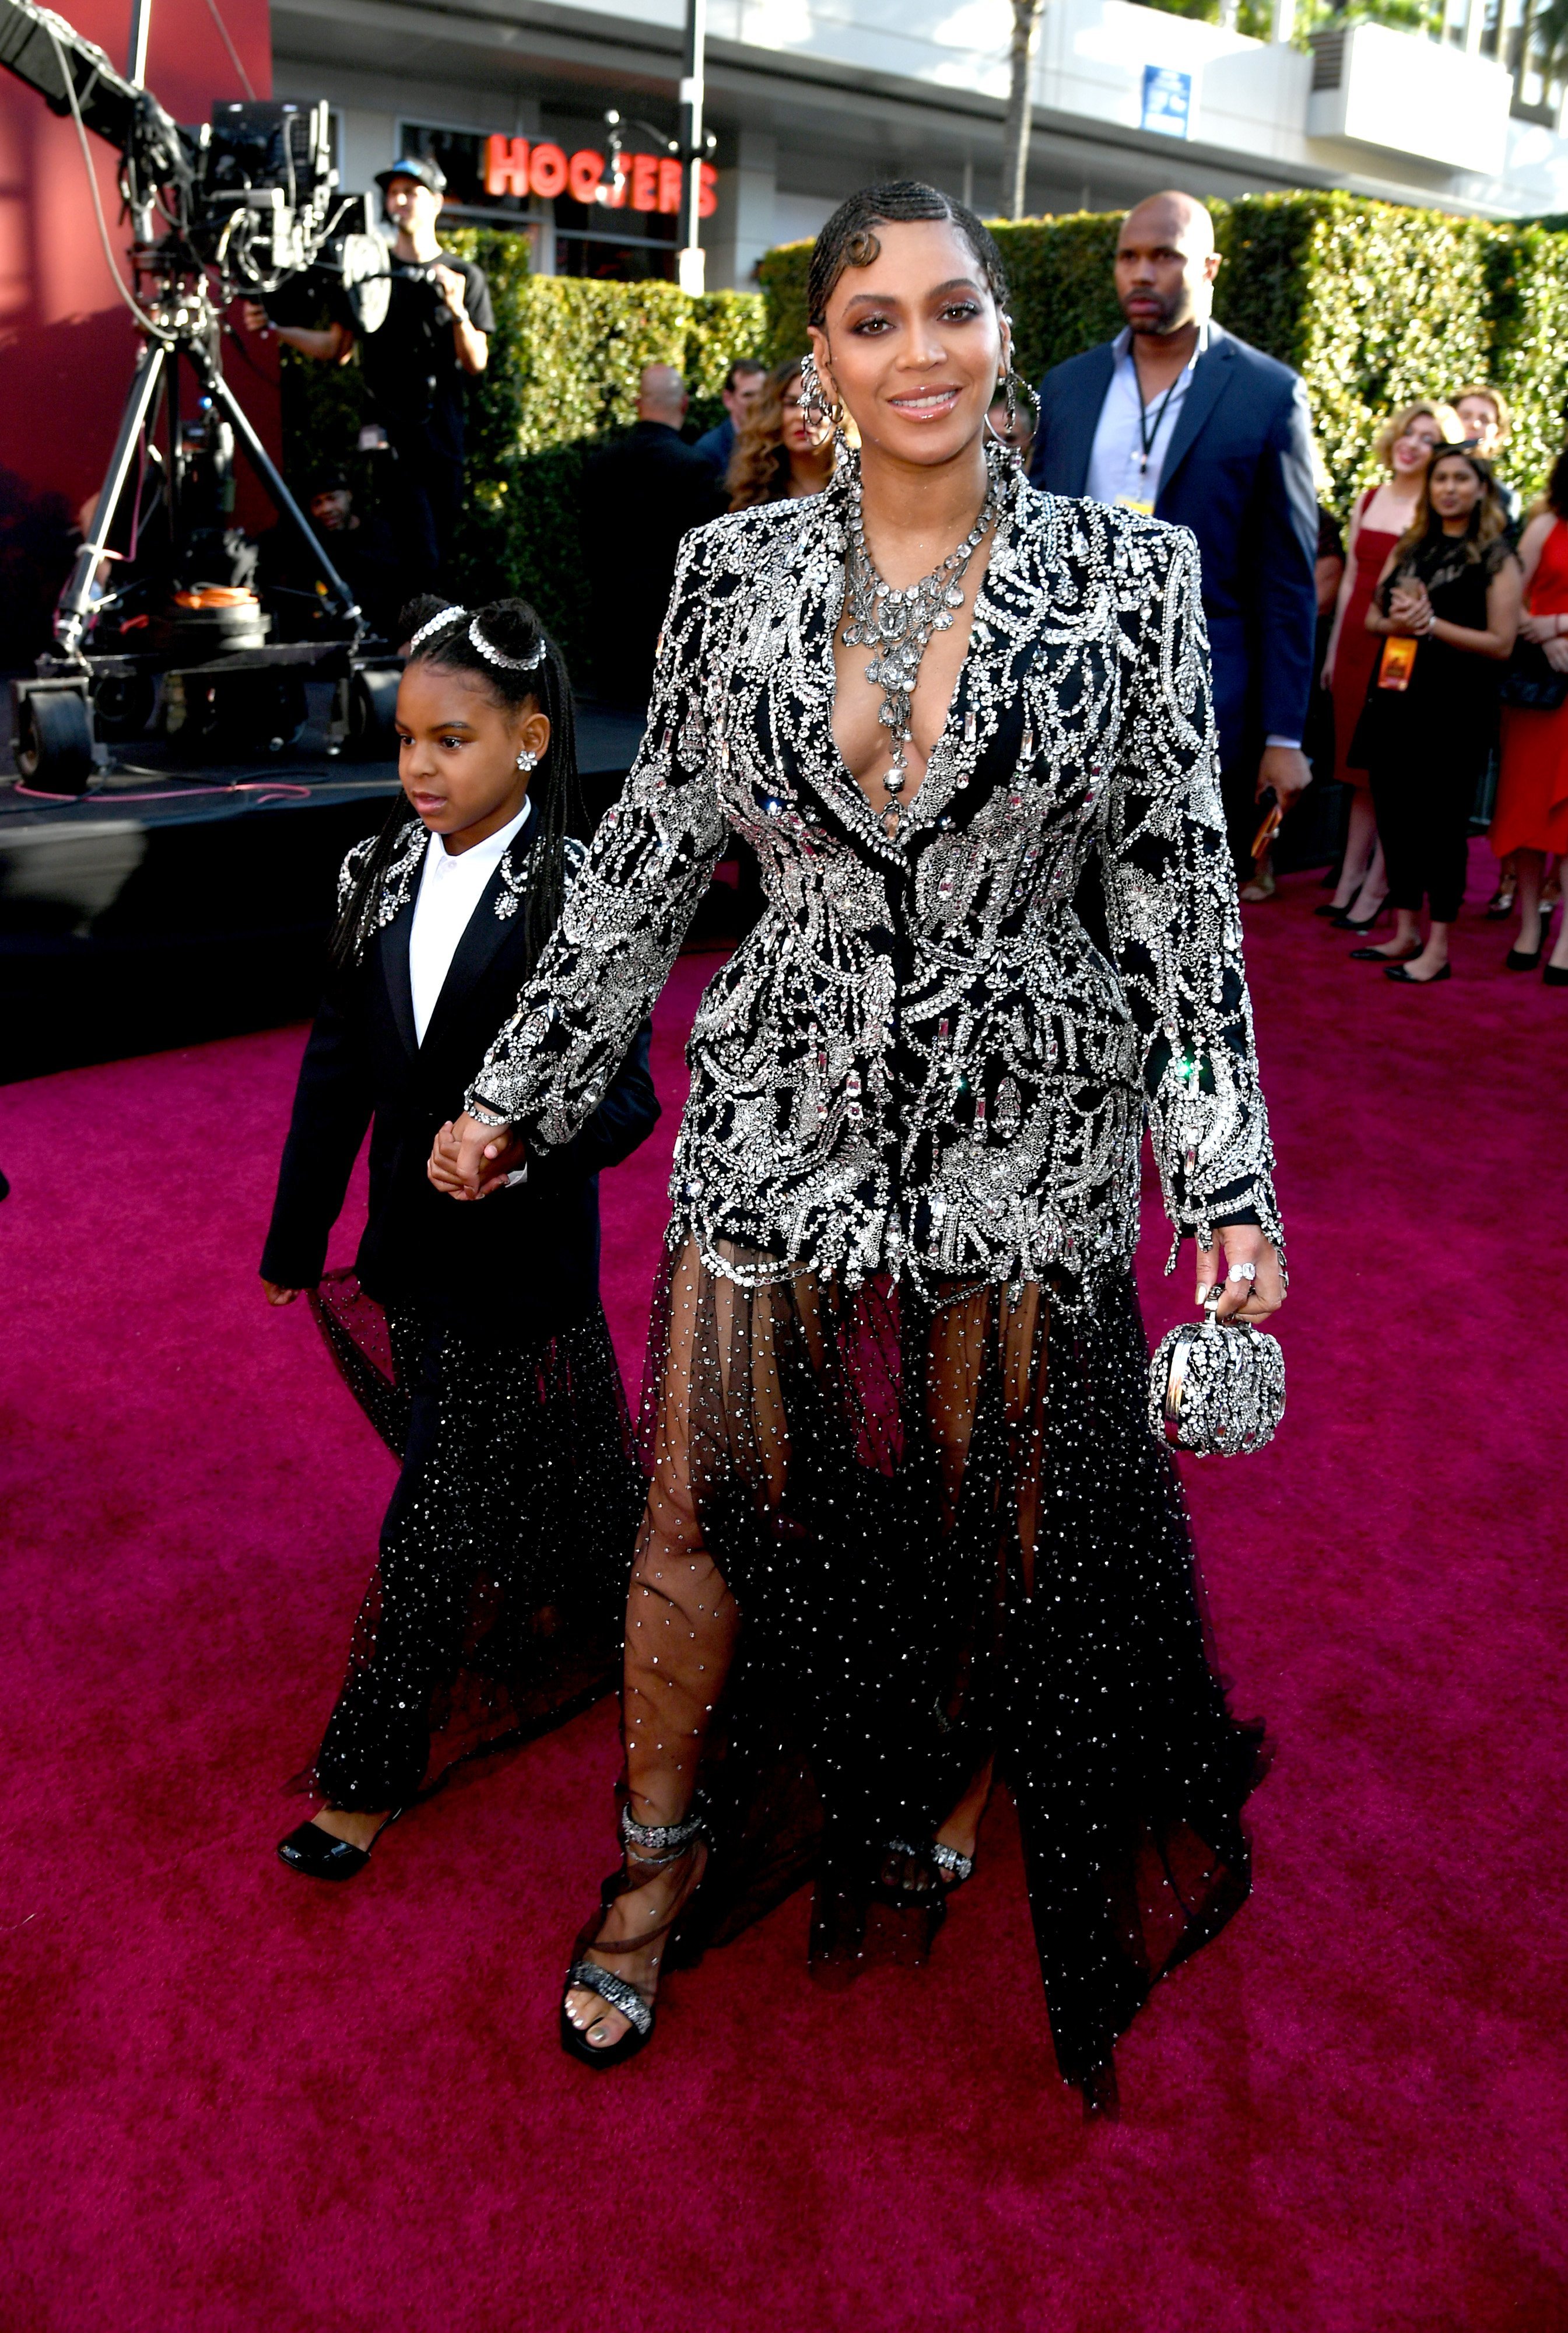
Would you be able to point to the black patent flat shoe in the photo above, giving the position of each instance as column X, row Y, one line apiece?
column 1328, row 909
column 1526, row 959
column 1348, row 923
column 1555, row 975
column 1398, row 972
column 316, row 1855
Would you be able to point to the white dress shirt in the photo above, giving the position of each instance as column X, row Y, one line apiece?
column 1116, row 470
column 451, row 885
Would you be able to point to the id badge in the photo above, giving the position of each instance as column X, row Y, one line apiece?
column 1131, row 502
column 1398, row 662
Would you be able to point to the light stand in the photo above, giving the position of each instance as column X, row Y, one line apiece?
column 693, row 149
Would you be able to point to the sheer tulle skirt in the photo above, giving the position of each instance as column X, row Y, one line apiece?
column 497, row 1605
column 890, row 1539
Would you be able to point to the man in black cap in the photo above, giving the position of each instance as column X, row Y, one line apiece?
column 417, row 366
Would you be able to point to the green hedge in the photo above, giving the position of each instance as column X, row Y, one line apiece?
column 562, row 377
column 1372, row 302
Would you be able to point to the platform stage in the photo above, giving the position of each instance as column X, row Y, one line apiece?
column 170, row 904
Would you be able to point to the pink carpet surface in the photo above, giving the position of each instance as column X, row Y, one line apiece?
column 238, row 2102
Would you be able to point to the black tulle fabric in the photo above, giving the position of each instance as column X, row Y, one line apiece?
column 497, row 1605
column 915, row 1535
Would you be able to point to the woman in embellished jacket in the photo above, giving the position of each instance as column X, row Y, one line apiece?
column 908, row 1524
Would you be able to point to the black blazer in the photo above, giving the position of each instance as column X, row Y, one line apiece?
column 640, row 497
column 518, row 1264
column 1239, row 474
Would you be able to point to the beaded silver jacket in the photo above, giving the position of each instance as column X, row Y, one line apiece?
column 919, row 1061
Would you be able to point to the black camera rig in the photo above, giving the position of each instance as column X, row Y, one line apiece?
column 239, row 207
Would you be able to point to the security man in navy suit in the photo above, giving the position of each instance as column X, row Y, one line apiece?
column 1178, row 417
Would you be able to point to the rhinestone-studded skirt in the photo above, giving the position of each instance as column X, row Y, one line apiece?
column 952, row 1538
column 497, row 1605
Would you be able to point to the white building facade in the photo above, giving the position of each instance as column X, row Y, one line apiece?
column 810, row 98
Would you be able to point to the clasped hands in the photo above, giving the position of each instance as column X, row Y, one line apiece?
column 1410, row 609
column 468, row 1161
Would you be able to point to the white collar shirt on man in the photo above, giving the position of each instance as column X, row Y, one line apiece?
column 1117, row 472
column 451, row 885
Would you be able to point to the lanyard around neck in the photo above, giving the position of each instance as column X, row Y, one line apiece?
column 1148, row 438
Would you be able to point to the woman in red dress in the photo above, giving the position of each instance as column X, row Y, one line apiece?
column 1532, row 814
column 1405, row 443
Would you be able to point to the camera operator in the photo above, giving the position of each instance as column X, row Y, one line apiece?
column 415, row 367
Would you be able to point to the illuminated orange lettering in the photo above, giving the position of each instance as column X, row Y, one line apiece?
column 585, row 175
column 708, row 190
column 670, row 176
column 547, row 170
column 644, row 182
column 505, row 165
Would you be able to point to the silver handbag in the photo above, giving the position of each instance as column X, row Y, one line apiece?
column 1216, row 1388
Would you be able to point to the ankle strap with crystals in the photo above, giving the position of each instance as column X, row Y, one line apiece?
column 662, row 1842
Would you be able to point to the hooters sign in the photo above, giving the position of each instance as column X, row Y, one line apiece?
column 638, row 182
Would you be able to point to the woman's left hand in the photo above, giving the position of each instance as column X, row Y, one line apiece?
column 1247, row 1296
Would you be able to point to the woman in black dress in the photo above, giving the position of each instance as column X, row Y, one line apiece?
column 908, row 1523
column 1450, row 586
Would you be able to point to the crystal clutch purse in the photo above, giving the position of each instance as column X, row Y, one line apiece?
column 1216, row 1388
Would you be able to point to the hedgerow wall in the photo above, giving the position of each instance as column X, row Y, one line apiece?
column 1371, row 302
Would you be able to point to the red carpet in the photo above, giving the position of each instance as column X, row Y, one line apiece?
column 236, row 2103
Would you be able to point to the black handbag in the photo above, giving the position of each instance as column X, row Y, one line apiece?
column 1530, row 684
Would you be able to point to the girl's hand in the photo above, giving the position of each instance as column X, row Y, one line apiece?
column 1328, row 674
column 276, row 1295
column 1539, row 628
column 1555, row 652
column 1245, row 1298
column 469, row 1161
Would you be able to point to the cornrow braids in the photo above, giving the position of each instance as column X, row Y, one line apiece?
column 849, row 238
column 506, row 647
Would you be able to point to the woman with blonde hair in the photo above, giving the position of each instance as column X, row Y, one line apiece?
column 782, row 452
column 1405, row 443
column 1444, row 618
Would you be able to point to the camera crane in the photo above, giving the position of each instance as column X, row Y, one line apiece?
column 245, row 204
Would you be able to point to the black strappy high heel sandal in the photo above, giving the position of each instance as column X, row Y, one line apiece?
column 650, row 1848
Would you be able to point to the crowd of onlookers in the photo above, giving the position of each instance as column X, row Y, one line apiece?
column 1445, row 681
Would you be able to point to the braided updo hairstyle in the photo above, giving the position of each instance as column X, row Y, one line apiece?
column 849, row 237
column 515, row 631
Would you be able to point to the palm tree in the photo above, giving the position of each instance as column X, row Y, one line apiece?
column 1015, row 134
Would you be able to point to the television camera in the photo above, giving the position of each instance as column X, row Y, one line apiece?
column 244, row 205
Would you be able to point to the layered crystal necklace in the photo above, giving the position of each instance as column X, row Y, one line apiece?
column 899, row 626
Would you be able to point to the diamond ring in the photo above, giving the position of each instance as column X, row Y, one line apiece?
column 1242, row 1272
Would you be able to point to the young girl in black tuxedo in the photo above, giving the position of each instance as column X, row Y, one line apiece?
column 497, row 1600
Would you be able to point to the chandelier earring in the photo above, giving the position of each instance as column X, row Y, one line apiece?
column 813, row 405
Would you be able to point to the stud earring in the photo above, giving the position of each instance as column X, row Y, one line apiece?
column 525, row 760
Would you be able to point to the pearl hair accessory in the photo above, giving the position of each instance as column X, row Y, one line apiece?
column 492, row 654
column 434, row 624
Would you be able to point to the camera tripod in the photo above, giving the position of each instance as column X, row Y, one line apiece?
column 222, row 676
